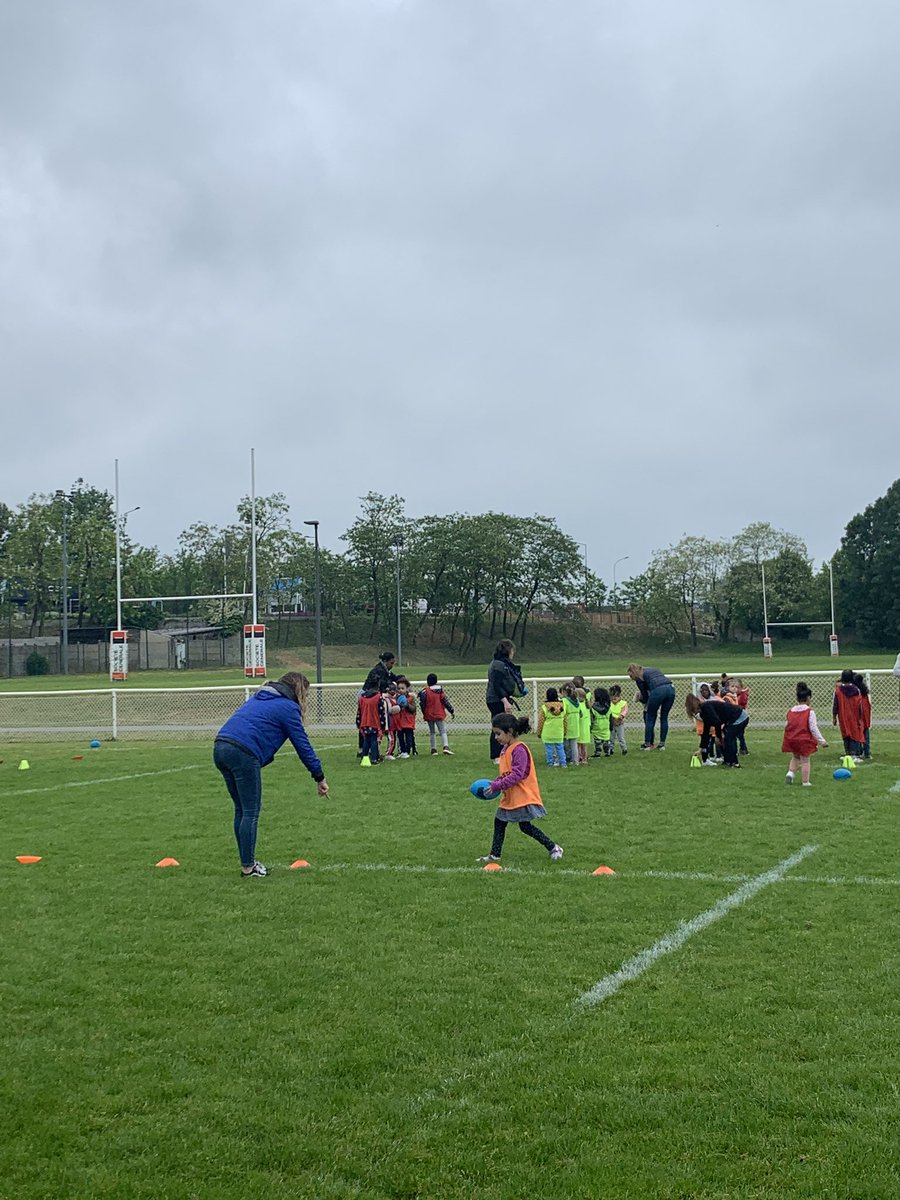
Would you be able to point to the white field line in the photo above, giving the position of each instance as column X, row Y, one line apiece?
column 58, row 787
column 896, row 787
column 634, row 967
column 572, row 873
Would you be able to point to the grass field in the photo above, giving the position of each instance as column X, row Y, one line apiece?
column 394, row 1022
column 737, row 658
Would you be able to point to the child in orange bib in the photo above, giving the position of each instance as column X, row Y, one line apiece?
column 521, row 803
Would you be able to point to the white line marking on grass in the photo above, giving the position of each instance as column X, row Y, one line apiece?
column 585, row 874
column 94, row 782
column 641, row 962
column 896, row 787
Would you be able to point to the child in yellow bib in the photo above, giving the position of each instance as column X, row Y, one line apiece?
column 521, row 803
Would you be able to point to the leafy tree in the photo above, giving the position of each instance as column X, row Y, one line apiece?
column 372, row 541
column 867, row 570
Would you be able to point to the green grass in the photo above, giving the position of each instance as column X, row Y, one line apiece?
column 350, row 1032
column 735, row 658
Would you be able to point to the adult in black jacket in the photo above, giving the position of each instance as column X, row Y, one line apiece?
column 723, row 719
column 382, row 673
column 504, row 682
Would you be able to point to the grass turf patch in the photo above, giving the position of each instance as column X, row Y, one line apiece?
column 356, row 1029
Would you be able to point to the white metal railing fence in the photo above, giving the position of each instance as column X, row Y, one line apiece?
column 196, row 713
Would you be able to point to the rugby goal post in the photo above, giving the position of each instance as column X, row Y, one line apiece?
column 254, row 634
column 767, row 624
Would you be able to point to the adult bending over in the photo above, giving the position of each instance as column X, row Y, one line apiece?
column 657, row 695
column 504, row 682
column 722, row 719
column 247, row 742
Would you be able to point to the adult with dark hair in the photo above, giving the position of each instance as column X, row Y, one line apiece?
column 722, row 719
column 382, row 673
column 657, row 694
column 248, row 741
column 504, row 683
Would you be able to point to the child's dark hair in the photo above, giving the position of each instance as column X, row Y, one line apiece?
column 861, row 684
column 431, row 679
column 847, row 676
column 615, row 690
column 507, row 723
column 804, row 693
column 601, row 697
column 552, row 694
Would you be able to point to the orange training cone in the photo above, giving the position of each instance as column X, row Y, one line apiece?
column 168, row 862
column 603, row 871
column 301, row 862
column 492, row 867
column 28, row 858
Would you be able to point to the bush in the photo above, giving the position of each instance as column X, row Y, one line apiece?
column 36, row 664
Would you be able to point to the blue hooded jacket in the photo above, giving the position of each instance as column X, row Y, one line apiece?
column 265, row 722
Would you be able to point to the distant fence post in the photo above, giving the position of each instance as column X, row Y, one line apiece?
column 115, row 713
column 534, row 704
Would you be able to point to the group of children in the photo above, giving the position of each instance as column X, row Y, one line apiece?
column 569, row 726
column 716, row 727
column 391, row 712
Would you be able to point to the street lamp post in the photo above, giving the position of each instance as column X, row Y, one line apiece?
column 315, row 525
column 583, row 546
column 398, row 543
column 615, row 596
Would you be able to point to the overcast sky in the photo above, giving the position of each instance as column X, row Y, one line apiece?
column 633, row 265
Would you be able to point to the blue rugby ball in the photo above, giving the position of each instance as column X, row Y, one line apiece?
column 95, row 745
column 843, row 773
column 480, row 787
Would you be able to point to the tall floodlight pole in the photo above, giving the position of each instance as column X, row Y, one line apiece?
column 65, row 582
column 65, row 498
column 615, row 599
column 315, row 525
column 584, row 566
column 253, row 530
column 398, row 543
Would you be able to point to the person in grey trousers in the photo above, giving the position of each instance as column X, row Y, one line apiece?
column 657, row 694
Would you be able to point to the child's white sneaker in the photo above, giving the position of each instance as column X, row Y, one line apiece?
column 789, row 778
column 556, row 853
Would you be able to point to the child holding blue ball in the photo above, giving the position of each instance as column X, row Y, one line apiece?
column 521, row 801
column 802, row 736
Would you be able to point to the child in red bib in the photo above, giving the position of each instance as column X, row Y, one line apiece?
column 802, row 737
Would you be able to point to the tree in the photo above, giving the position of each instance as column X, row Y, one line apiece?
column 867, row 570
column 373, row 539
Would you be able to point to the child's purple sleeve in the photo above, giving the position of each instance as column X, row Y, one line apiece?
column 519, row 771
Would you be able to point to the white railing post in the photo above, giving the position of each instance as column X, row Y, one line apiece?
column 115, row 713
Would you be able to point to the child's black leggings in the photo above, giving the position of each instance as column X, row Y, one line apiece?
column 526, row 827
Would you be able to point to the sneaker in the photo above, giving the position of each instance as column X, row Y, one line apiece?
column 434, row 752
column 556, row 853
column 388, row 758
column 624, row 752
column 662, row 747
column 255, row 872
column 710, row 762
column 404, row 755
column 745, row 751
column 485, row 858
column 789, row 778
column 446, row 750
column 807, row 785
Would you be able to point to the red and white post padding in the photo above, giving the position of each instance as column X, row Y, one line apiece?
column 118, row 654
column 254, row 650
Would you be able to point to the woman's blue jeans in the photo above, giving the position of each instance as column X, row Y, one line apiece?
column 659, row 701
column 243, row 777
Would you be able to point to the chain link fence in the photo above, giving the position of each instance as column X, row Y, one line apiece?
column 180, row 714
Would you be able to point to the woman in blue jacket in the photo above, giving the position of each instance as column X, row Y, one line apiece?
column 248, row 741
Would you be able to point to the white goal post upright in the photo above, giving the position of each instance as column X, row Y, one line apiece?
column 767, row 624
column 254, row 644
